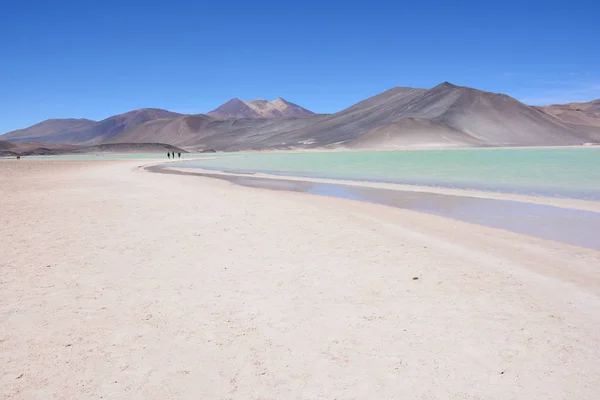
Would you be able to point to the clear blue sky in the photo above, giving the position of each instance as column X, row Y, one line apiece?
column 95, row 59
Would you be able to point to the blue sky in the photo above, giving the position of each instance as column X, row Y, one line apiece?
column 73, row 59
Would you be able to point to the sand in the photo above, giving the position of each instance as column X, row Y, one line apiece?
column 119, row 283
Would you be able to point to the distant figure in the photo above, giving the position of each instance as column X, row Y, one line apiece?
column 169, row 155
column 18, row 157
column 179, row 155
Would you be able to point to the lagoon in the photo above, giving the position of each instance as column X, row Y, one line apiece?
column 553, row 172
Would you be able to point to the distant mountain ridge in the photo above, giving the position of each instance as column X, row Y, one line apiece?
column 85, row 131
column 583, row 113
column 446, row 115
column 37, row 148
column 50, row 127
column 259, row 108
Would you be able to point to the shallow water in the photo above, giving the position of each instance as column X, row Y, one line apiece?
column 554, row 172
column 574, row 227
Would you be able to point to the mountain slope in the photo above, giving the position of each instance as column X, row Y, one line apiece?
column 414, row 132
column 47, row 129
column 85, row 131
column 259, row 108
column 7, row 145
column 575, row 113
column 7, row 149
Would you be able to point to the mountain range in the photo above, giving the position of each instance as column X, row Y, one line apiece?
column 443, row 116
column 85, row 131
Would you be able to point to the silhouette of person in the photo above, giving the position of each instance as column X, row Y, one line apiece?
column 179, row 155
column 168, row 155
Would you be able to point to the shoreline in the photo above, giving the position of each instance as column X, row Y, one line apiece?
column 407, row 148
column 569, row 203
column 532, row 218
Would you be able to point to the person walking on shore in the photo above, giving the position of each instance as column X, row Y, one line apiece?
column 169, row 155
column 179, row 155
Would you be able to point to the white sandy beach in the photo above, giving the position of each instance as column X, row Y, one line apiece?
column 120, row 283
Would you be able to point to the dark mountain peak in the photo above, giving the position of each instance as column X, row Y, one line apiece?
column 447, row 84
column 234, row 108
column 234, row 101
column 447, row 88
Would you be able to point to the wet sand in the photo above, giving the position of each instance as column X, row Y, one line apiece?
column 120, row 283
column 571, row 226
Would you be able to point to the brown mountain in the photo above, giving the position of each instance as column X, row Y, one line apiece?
column 7, row 145
column 446, row 115
column 576, row 113
column 483, row 117
column 48, row 128
column 7, row 149
column 259, row 108
column 83, row 131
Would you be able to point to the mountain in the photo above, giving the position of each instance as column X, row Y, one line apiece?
column 259, row 108
column 48, row 128
column 7, row 149
column 576, row 113
column 445, row 115
column 83, row 131
column 7, row 145
column 487, row 118
column 278, row 108
column 234, row 108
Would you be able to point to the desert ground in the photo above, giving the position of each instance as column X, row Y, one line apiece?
column 117, row 283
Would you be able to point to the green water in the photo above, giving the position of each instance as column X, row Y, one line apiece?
column 559, row 172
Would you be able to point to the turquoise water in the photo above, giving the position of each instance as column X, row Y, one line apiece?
column 556, row 172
